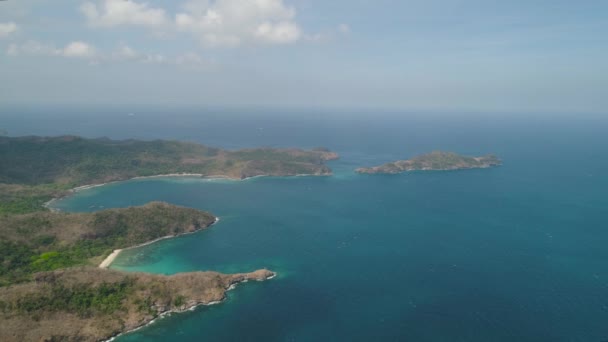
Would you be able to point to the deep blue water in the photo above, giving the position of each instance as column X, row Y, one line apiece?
column 514, row 253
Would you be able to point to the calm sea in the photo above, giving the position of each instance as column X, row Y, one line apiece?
column 514, row 253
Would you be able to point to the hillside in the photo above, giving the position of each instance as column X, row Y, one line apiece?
column 45, row 241
column 93, row 304
column 51, row 289
column 73, row 161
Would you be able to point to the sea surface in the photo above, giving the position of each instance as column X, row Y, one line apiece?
column 512, row 253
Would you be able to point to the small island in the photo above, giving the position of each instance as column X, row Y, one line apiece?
column 437, row 161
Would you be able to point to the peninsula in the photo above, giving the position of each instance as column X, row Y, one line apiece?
column 51, row 289
column 437, row 160
column 93, row 304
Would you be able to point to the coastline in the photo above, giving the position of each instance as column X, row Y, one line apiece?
column 110, row 258
column 74, row 190
column 189, row 308
column 79, row 188
column 107, row 262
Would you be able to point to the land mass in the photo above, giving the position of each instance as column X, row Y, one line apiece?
column 77, row 161
column 52, row 290
column 93, row 304
column 437, row 160
column 45, row 241
column 50, row 286
column 35, row 169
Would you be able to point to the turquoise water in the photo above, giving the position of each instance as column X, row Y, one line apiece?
column 514, row 253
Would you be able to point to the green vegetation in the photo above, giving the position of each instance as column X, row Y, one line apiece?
column 92, row 304
column 49, row 287
column 21, row 199
column 83, row 299
column 72, row 161
column 179, row 301
column 436, row 160
column 45, row 241
column 447, row 160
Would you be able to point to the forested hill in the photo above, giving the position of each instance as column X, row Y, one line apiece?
column 76, row 161
column 45, row 241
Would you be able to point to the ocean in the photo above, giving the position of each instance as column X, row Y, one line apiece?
column 512, row 253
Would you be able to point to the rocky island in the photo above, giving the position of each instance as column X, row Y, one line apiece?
column 437, row 160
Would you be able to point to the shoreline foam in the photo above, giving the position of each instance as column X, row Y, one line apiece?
column 190, row 308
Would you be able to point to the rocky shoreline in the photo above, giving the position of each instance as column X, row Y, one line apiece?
column 259, row 275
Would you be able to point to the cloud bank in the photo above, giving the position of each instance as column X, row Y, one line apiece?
column 111, row 13
column 214, row 23
column 234, row 22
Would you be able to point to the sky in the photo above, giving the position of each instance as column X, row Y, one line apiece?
column 521, row 56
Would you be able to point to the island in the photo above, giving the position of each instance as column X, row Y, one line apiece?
column 54, row 281
column 437, row 160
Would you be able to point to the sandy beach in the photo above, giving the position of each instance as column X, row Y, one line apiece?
column 110, row 258
column 108, row 261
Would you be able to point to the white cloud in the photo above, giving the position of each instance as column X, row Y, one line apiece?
column 110, row 13
column 75, row 49
column 32, row 48
column 279, row 33
column 224, row 23
column 234, row 22
column 7, row 28
column 78, row 50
